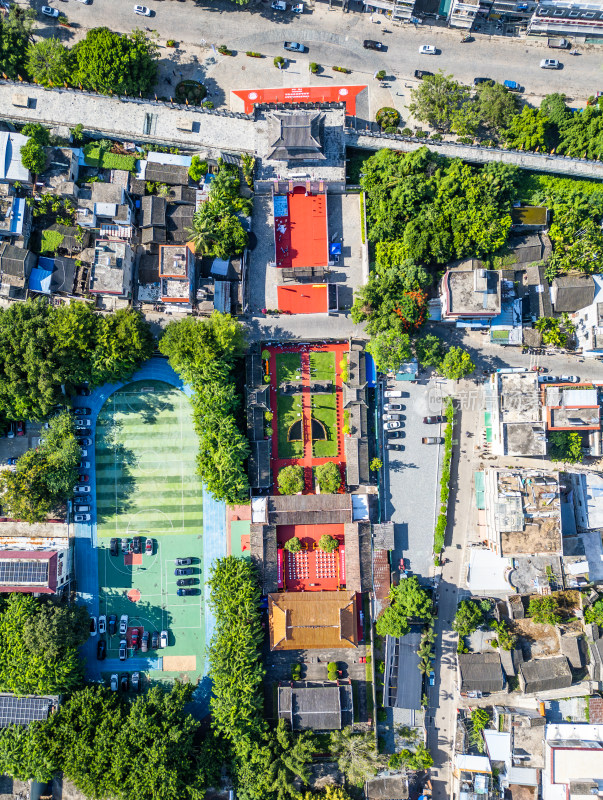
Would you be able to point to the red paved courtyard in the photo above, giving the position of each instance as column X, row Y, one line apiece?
column 301, row 238
column 311, row 570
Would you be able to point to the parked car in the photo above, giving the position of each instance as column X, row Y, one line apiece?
column 184, row 562
column 433, row 420
column 392, row 393
column 393, row 407
column 549, row 63
column 102, row 624
column 84, row 465
column 93, row 626
column 279, row 5
column 154, row 640
column 184, row 571
column 82, row 422
column 422, row 73
column 134, row 638
column 82, row 488
column 114, row 547
column 512, row 86
column 101, row 649
column 123, row 624
column 144, row 11
column 84, row 478
column 390, row 426
column 549, row 378
column 185, row 592
column 136, row 544
column 136, row 681
column 372, row 44
column 123, row 650
column 391, row 446
column 11, row 431
column 432, row 678
column 83, row 391
column 84, row 441
column 20, row 428
column 49, row 11
column 570, row 379
column 186, row 582
column 11, row 461
column 163, row 639
column 81, row 518
column 391, row 416
column 478, row 81
column 81, row 508
column 433, row 440
column 144, row 641
column 148, row 547
column 298, row 8
column 124, row 682
column 78, row 499
column 428, row 50
column 82, row 412
column 114, row 682
column 112, row 624
column 295, row 47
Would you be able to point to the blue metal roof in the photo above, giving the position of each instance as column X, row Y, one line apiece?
column 371, row 370
column 39, row 280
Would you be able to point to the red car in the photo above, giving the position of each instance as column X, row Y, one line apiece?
column 20, row 428
column 83, row 478
column 134, row 636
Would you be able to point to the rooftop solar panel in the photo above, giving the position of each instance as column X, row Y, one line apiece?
column 23, row 710
column 17, row 572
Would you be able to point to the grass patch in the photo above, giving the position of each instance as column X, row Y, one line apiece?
column 288, row 409
column 288, row 365
column 322, row 367
column 95, row 156
column 324, row 408
column 51, row 241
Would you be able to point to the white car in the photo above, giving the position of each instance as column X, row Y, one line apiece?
column 142, row 10
column 102, row 624
column 85, row 2
column 123, row 624
column 570, row 379
column 393, row 393
column 390, row 426
column 81, row 518
column 49, row 11
column 392, row 407
column 84, row 465
column 548, row 379
column 279, row 5
column 549, row 63
column 114, row 682
column 163, row 639
column 83, row 488
column 428, row 50
column 93, row 626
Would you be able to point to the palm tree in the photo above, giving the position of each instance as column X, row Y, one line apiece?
column 356, row 755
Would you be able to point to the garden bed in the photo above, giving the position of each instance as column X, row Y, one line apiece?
column 288, row 411
column 190, row 90
column 96, row 156
column 324, row 408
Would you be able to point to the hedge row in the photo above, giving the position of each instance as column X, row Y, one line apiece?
column 442, row 521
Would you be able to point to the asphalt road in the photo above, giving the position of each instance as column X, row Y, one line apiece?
column 336, row 38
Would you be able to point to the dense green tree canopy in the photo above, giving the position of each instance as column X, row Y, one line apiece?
column 15, row 35
column 328, row 477
column 468, row 618
column 110, row 62
column 49, row 62
column 217, row 230
column 123, row 342
column 565, row 446
column 407, row 601
column 291, row 479
column 33, row 157
column 436, row 99
column 356, row 755
column 456, row 364
column 56, row 629
column 205, row 353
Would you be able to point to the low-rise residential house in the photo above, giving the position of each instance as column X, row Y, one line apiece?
column 514, row 422
column 14, row 213
column 570, row 293
column 471, row 296
column 16, row 264
column 403, row 681
column 542, row 675
column 176, row 276
column 572, row 407
column 112, row 269
column 316, row 705
column 573, row 761
column 480, row 672
column 11, row 168
column 588, row 321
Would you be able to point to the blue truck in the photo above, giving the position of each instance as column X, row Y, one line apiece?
column 512, row 86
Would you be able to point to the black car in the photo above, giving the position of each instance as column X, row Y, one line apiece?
column 82, row 412
column 186, row 582
column 372, row 44
column 185, row 592
column 136, row 544
column 395, row 432
column 391, row 446
column 81, row 499
column 112, row 622
column 154, row 640
column 184, row 571
column 114, row 547
column 477, row 81
column 422, row 73
column 124, row 682
column 184, row 562
column 101, row 649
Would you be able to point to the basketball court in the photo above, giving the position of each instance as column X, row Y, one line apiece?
column 147, row 487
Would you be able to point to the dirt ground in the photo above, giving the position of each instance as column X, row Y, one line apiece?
column 542, row 639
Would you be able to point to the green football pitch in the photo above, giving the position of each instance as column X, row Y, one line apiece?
column 147, row 487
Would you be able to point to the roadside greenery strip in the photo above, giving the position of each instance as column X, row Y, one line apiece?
column 442, row 521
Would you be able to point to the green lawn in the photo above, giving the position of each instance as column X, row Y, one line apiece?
column 288, row 366
column 324, row 408
column 51, row 241
column 288, row 409
column 96, row 157
column 322, row 366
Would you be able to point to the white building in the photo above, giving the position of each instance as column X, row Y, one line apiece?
column 573, row 762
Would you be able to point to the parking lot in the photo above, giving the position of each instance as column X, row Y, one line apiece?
column 410, row 490
column 16, row 446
